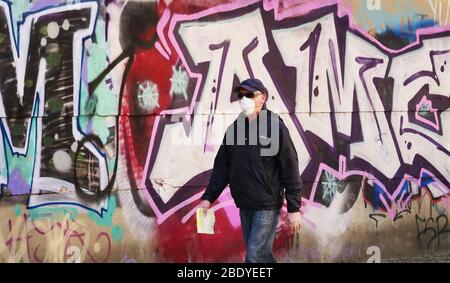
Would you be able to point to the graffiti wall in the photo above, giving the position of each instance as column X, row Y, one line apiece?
column 112, row 112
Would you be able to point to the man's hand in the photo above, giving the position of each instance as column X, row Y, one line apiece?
column 293, row 221
column 204, row 205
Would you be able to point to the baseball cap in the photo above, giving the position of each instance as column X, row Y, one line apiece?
column 252, row 85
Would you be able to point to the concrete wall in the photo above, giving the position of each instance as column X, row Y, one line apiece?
column 112, row 112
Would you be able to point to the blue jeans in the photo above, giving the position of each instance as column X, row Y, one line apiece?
column 259, row 228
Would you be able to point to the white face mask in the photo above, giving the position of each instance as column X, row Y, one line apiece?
column 247, row 105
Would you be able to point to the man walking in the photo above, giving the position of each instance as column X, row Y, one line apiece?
column 257, row 158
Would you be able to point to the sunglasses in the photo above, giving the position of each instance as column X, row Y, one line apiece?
column 246, row 94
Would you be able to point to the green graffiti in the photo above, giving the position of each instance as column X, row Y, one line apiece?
column 53, row 59
column 2, row 37
column 29, row 83
column 47, row 141
column 55, row 104
column 24, row 163
column 53, row 213
column 100, row 128
column 51, row 165
column 17, row 10
column 104, row 100
column 17, row 210
column 106, row 219
column 91, row 105
column 43, row 31
column 97, row 61
column 117, row 233
column 18, row 129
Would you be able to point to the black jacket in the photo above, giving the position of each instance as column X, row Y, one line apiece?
column 257, row 181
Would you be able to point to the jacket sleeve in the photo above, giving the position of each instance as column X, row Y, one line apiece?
column 219, row 177
column 289, row 171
